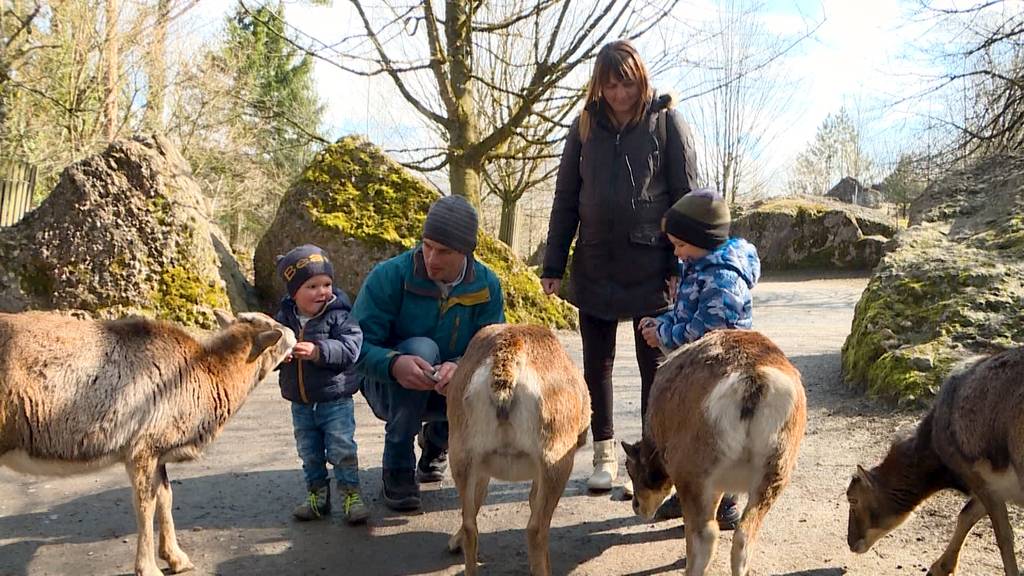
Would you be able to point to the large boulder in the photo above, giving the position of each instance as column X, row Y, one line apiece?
column 123, row 232
column 801, row 232
column 851, row 191
column 362, row 207
column 951, row 287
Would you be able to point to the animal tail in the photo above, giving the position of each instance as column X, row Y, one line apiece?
column 504, row 372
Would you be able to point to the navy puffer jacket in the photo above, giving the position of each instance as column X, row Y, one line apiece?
column 337, row 335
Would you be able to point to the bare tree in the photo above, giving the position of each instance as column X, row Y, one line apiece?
column 743, row 97
column 528, row 158
column 112, row 68
column 981, row 51
column 432, row 52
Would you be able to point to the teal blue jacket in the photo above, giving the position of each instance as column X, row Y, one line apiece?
column 398, row 301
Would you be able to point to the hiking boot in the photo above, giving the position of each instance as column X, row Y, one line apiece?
column 355, row 511
column 433, row 459
column 606, row 467
column 317, row 504
column 728, row 515
column 400, row 491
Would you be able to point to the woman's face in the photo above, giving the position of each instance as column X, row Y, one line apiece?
column 621, row 95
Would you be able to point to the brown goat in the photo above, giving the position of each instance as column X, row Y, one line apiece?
column 726, row 414
column 517, row 410
column 78, row 395
column 972, row 440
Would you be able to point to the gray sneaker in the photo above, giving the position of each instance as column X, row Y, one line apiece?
column 317, row 504
column 355, row 511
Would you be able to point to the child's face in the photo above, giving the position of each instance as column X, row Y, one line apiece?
column 313, row 294
column 686, row 252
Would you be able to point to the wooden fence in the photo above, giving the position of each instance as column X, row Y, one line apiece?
column 17, row 181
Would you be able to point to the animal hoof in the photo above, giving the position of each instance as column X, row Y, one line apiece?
column 178, row 561
column 455, row 542
column 150, row 570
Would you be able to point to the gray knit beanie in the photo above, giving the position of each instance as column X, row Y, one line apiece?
column 452, row 221
column 700, row 218
column 302, row 263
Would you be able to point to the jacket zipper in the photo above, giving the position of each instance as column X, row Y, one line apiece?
column 302, row 384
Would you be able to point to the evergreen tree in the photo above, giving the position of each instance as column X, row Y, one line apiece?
column 834, row 154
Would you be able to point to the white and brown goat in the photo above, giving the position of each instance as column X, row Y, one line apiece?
column 517, row 410
column 972, row 440
column 726, row 415
column 79, row 395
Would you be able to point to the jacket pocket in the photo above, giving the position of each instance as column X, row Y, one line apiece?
column 648, row 235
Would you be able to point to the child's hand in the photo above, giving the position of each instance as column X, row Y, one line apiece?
column 306, row 351
column 649, row 329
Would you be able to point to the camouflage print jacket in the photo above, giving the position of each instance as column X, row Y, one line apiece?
column 714, row 293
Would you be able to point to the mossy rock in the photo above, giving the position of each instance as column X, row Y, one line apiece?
column 801, row 232
column 951, row 287
column 362, row 207
column 126, row 231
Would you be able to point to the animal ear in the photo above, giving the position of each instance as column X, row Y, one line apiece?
column 862, row 475
column 224, row 318
column 262, row 341
column 630, row 450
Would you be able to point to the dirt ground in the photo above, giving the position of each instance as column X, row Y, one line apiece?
column 232, row 508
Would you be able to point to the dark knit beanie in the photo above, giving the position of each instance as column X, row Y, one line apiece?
column 301, row 264
column 452, row 221
column 700, row 218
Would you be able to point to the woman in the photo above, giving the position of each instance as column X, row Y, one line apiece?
column 627, row 159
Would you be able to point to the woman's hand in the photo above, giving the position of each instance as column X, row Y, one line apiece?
column 551, row 285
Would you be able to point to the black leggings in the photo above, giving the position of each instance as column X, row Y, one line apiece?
column 599, row 357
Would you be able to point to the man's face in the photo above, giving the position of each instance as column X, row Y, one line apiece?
column 443, row 263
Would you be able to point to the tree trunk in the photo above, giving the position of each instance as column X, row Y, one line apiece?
column 507, row 230
column 463, row 169
column 112, row 58
column 157, row 74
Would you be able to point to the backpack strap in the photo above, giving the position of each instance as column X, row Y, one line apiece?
column 661, row 128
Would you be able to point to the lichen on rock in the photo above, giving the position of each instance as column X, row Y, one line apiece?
column 126, row 231
column 951, row 287
column 362, row 207
column 800, row 232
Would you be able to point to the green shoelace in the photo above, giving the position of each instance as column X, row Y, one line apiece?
column 351, row 499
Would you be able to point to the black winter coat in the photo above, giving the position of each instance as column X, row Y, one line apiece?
column 337, row 335
column 614, row 189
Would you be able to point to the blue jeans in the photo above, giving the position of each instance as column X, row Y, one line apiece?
column 403, row 410
column 325, row 432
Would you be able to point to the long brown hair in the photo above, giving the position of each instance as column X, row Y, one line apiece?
column 616, row 60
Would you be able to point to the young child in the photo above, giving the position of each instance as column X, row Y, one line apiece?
column 716, row 275
column 314, row 380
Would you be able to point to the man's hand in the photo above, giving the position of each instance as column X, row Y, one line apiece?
column 444, row 377
column 649, row 329
column 411, row 372
column 306, row 351
column 551, row 285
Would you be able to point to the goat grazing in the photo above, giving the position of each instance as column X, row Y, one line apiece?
column 972, row 440
column 78, row 395
column 517, row 410
column 726, row 414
